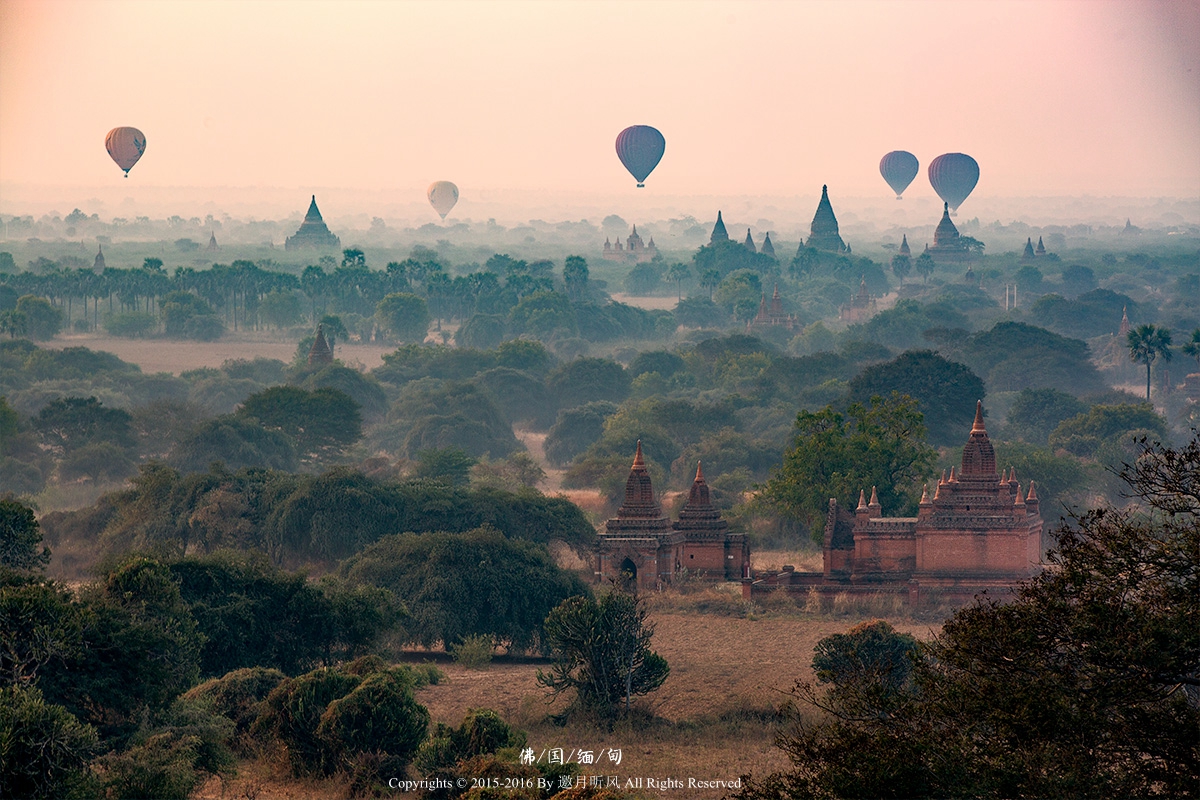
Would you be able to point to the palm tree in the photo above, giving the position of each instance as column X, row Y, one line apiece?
column 1146, row 344
column 1192, row 348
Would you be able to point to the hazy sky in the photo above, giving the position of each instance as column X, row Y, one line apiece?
column 1052, row 98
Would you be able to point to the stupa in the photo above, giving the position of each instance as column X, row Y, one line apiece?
column 313, row 234
column 823, row 235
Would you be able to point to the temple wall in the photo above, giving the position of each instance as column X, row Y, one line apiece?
column 974, row 552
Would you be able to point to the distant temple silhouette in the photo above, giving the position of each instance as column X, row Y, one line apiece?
column 634, row 251
column 823, row 234
column 719, row 234
column 98, row 265
column 313, row 233
column 320, row 353
column 948, row 245
column 773, row 315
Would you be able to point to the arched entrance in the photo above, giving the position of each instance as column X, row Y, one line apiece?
column 628, row 575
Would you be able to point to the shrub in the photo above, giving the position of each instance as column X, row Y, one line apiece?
column 379, row 718
column 45, row 750
column 238, row 695
column 473, row 652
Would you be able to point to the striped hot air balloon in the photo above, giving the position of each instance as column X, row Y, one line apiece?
column 953, row 176
column 640, row 148
column 125, row 146
column 898, row 168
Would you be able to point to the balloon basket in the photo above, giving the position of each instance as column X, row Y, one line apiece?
column 641, row 186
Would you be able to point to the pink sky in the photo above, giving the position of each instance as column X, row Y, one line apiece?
column 1052, row 98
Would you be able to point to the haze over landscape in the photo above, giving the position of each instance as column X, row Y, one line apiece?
column 247, row 106
column 368, row 428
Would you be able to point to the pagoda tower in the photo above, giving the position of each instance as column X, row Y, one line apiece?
column 767, row 249
column 313, row 233
column 719, row 234
column 750, row 242
column 98, row 265
column 823, row 234
column 319, row 355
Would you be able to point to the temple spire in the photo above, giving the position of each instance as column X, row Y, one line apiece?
column 638, row 462
column 719, row 234
column 750, row 242
column 978, row 426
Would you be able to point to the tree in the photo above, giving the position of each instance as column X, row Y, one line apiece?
column 588, row 380
column 901, row 266
column 710, row 279
column 1082, row 684
column 1035, row 413
column 1192, row 347
column 679, row 273
column 46, row 749
column 575, row 275
column 600, row 650
column 42, row 320
column 878, row 445
column 461, row 584
column 236, row 442
column 322, row 422
column 20, row 537
column 405, row 316
column 925, row 265
column 1146, row 345
column 946, row 391
column 70, row 423
column 451, row 465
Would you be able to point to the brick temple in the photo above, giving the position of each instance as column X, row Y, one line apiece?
column 642, row 549
column 978, row 531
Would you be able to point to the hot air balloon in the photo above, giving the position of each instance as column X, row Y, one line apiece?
column 442, row 196
column 640, row 148
column 125, row 146
column 953, row 176
column 898, row 168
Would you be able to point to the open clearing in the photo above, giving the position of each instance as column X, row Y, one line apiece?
column 712, row 716
column 176, row 356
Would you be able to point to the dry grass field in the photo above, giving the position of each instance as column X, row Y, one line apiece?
column 712, row 719
column 176, row 356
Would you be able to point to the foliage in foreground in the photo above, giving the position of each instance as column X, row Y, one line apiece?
column 1087, row 684
column 601, row 652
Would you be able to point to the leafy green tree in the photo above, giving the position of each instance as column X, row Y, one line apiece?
column 946, row 391
column 451, row 465
column 322, row 422
column 527, row 355
column 140, row 649
column 901, row 266
column 42, row 320
column 404, row 315
column 1191, row 347
column 600, row 651
column 13, row 323
column 543, row 314
column 879, row 444
column 924, row 265
column 473, row 583
column 1061, row 478
column 280, row 309
column 40, row 627
column 575, row 430
column 236, row 442
column 46, row 750
column 1147, row 344
column 1080, row 685
column 587, row 380
column 481, row 331
column 482, row 731
column 1102, row 423
column 700, row 312
column 869, row 669
column 70, row 423
column 644, row 278
column 575, row 275
column 1035, row 413
column 374, row 731
column 98, row 461
column 20, row 537
column 678, row 273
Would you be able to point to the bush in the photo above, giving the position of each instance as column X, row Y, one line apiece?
column 238, row 694
column 44, row 750
column 129, row 323
column 474, row 652
column 482, row 731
